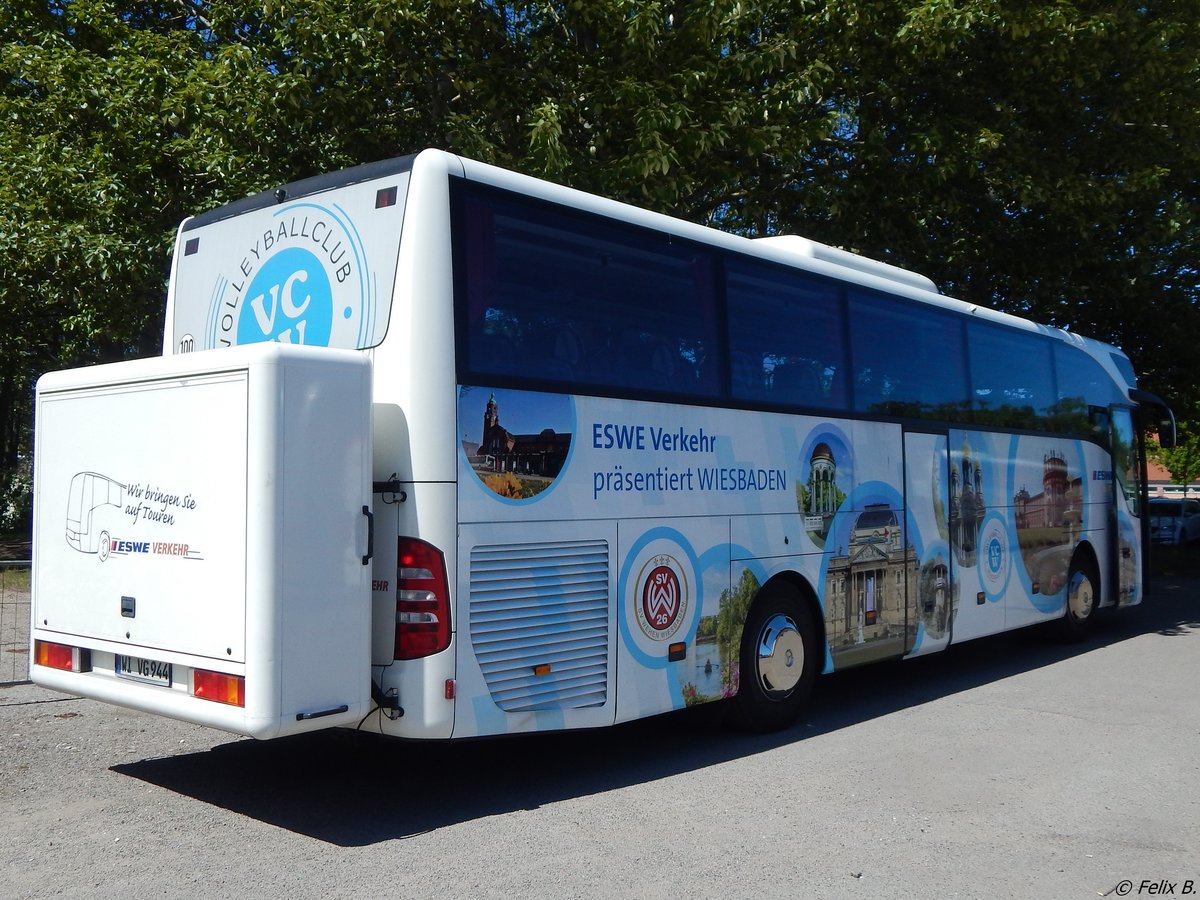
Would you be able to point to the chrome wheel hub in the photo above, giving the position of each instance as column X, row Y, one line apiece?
column 780, row 655
column 1081, row 597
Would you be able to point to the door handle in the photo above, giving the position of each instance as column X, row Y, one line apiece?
column 370, row 534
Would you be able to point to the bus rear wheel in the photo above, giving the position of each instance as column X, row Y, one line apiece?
column 778, row 661
column 1083, row 598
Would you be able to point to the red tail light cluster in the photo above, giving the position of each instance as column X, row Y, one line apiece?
column 219, row 687
column 60, row 656
column 422, row 600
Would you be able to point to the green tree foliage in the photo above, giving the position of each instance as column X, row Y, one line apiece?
column 1182, row 460
column 1037, row 157
column 732, row 610
column 116, row 124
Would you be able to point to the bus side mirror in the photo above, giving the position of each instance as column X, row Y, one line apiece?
column 1167, row 437
column 1156, row 416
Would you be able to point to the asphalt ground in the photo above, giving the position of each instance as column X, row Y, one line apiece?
column 1013, row 766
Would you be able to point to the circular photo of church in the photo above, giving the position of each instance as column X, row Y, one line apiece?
column 827, row 468
column 516, row 442
column 967, row 504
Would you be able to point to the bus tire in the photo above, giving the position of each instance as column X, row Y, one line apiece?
column 1083, row 599
column 779, row 658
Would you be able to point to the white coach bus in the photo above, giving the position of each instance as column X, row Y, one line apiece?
column 438, row 450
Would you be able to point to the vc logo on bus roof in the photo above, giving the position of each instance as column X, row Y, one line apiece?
column 302, row 279
column 290, row 300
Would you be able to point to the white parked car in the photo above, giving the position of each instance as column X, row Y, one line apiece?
column 1174, row 521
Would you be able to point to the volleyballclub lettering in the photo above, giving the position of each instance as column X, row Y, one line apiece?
column 661, row 599
column 301, row 281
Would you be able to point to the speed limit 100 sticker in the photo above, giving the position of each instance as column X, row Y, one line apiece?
column 661, row 597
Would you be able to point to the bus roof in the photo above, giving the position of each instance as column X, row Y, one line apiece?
column 792, row 251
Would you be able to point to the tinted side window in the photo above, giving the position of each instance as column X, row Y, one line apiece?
column 1082, row 381
column 1125, row 459
column 908, row 359
column 1012, row 376
column 557, row 296
column 786, row 337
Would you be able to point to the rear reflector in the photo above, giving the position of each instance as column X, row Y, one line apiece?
column 54, row 656
column 219, row 687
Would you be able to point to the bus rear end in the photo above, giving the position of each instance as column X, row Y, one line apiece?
column 196, row 553
column 262, row 538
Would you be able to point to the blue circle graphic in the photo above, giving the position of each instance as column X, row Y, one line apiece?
column 290, row 299
column 995, row 558
column 663, row 533
column 995, row 555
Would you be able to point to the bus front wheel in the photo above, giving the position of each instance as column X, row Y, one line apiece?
column 778, row 661
column 1083, row 597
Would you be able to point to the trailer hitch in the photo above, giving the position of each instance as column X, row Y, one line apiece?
column 390, row 489
column 389, row 702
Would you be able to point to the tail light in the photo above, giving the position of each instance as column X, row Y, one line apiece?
column 60, row 656
column 422, row 600
column 219, row 687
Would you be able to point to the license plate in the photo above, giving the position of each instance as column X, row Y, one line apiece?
column 150, row 671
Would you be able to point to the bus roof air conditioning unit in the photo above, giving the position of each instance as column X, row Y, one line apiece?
column 802, row 246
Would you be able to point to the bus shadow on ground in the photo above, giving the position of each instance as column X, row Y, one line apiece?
column 355, row 790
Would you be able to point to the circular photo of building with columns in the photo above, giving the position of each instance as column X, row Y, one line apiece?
column 827, row 460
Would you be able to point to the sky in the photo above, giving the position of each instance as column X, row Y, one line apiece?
column 521, row 412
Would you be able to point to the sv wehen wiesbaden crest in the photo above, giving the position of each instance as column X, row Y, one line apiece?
column 662, row 598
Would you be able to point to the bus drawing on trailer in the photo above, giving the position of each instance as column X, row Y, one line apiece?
column 439, row 450
column 88, row 512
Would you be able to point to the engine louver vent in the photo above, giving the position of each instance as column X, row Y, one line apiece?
column 539, row 623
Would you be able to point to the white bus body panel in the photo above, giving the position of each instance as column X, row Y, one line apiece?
column 206, row 511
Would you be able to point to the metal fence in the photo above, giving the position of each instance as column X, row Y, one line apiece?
column 14, row 621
